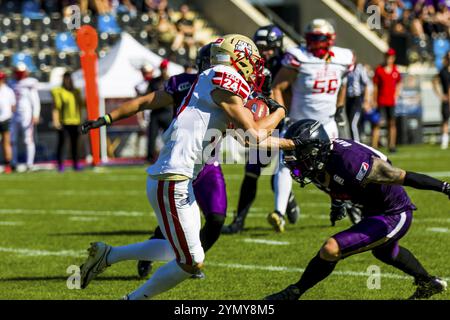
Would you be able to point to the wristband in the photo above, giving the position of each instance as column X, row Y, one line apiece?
column 108, row 118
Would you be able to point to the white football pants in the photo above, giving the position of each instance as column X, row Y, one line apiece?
column 178, row 216
column 18, row 129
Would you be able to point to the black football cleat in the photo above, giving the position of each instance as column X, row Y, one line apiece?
column 237, row 226
column 427, row 289
column 292, row 210
column 198, row 276
column 290, row 293
column 144, row 268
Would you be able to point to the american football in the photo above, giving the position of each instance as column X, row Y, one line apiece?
column 130, row 168
column 258, row 107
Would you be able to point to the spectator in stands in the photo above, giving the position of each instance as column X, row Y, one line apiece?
column 26, row 115
column 185, row 33
column 7, row 106
column 67, row 112
column 357, row 96
column 127, row 6
column 165, row 28
column 387, row 87
column 441, row 85
column 160, row 119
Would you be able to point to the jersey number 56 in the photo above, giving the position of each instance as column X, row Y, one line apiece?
column 325, row 86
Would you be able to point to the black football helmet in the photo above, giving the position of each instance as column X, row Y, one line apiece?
column 203, row 59
column 311, row 154
column 269, row 37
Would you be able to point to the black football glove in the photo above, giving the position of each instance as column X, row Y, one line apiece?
column 339, row 117
column 446, row 189
column 94, row 124
column 273, row 105
column 266, row 88
column 338, row 211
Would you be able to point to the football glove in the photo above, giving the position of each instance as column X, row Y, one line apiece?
column 273, row 105
column 266, row 87
column 338, row 211
column 94, row 124
column 446, row 189
column 339, row 117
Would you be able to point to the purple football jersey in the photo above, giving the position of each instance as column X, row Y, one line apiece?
column 178, row 87
column 349, row 164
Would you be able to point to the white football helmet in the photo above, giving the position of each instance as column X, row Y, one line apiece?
column 320, row 36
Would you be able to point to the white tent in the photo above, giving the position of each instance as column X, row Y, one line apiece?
column 119, row 71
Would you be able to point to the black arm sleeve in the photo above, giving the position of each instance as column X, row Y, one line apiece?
column 424, row 182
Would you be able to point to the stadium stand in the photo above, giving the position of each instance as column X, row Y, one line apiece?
column 424, row 24
column 39, row 31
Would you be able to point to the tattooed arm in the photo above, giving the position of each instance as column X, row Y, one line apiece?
column 384, row 173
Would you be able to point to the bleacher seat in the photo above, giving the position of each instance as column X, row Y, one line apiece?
column 5, row 60
column 107, row 23
column 26, row 58
column 440, row 47
column 26, row 42
column 32, row 9
column 10, row 6
column 8, row 42
column 7, row 25
column 65, row 42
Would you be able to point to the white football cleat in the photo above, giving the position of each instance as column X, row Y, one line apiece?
column 95, row 263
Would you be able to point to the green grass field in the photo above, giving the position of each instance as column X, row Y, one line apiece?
column 47, row 220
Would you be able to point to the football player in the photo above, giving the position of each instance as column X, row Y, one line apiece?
column 269, row 40
column 217, row 97
column 315, row 73
column 26, row 116
column 209, row 187
column 348, row 170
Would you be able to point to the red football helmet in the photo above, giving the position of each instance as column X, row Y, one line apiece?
column 320, row 36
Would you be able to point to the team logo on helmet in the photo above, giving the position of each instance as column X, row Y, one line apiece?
column 244, row 47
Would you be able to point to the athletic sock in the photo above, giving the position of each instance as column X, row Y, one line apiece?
column 444, row 141
column 406, row 262
column 165, row 278
column 211, row 230
column 246, row 197
column 150, row 250
column 283, row 187
column 317, row 270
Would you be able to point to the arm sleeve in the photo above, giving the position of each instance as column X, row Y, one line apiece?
column 35, row 102
column 290, row 61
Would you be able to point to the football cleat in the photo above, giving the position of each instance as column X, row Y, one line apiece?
column 200, row 275
column 276, row 220
column 290, row 293
column 292, row 210
column 95, row 263
column 236, row 226
column 427, row 289
column 144, row 268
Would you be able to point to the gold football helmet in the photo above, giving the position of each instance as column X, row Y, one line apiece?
column 241, row 53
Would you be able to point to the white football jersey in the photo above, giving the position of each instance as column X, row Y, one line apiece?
column 315, row 91
column 7, row 101
column 28, row 104
column 199, row 125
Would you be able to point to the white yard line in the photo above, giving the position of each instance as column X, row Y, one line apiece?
column 439, row 230
column 40, row 253
column 83, row 219
column 74, row 212
column 11, row 223
column 268, row 242
column 82, row 253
